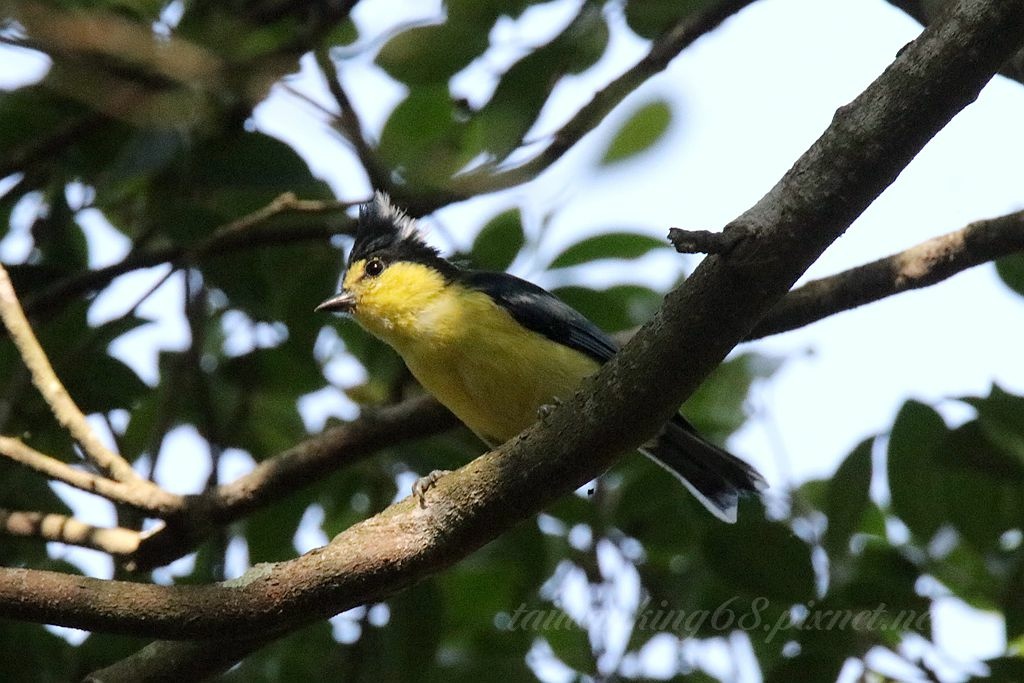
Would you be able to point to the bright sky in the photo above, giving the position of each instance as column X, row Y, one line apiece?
column 747, row 101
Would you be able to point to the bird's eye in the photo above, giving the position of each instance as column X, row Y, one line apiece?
column 374, row 267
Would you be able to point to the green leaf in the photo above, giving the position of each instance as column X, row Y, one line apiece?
column 969, row 447
column 426, row 55
column 279, row 369
column 848, row 498
column 882, row 578
column 103, row 383
column 33, row 114
column 965, row 571
column 916, row 436
column 1011, row 600
column 424, row 138
column 585, row 40
column 499, row 241
column 58, row 238
column 523, row 91
column 410, row 644
column 622, row 245
column 650, row 18
column 259, row 282
column 613, row 309
column 640, row 132
column 569, row 641
column 30, row 653
column 1011, row 270
column 22, row 489
column 270, row 532
column 222, row 180
column 1002, row 670
column 717, row 407
column 761, row 557
column 1001, row 416
column 981, row 507
column 813, row 666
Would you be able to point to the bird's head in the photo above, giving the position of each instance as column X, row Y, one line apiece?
column 392, row 274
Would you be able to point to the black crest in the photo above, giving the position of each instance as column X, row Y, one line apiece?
column 385, row 231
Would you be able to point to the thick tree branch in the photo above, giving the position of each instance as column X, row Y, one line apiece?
column 54, row 527
column 863, row 150
column 923, row 10
column 920, row 266
column 662, row 52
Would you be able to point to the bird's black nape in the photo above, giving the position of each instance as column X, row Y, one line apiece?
column 385, row 231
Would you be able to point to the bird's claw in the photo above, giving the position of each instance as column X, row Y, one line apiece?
column 424, row 484
column 545, row 410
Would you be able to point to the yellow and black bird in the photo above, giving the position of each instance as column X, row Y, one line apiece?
column 495, row 349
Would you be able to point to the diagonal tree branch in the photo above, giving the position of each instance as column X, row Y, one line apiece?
column 863, row 150
column 923, row 10
column 920, row 266
column 53, row 391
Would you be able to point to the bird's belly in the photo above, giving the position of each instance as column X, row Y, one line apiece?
column 496, row 389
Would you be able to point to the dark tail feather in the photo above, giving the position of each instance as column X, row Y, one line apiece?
column 715, row 477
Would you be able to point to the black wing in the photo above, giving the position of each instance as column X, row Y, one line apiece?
column 539, row 310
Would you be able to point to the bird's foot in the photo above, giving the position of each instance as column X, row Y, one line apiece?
column 424, row 484
column 545, row 410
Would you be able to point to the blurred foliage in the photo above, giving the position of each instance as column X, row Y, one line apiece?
column 643, row 129
column 144, row 118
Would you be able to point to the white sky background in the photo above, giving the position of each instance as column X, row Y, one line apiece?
column 747, row 101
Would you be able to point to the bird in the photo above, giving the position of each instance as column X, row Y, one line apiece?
column 498, row 351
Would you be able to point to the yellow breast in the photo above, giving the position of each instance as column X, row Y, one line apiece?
column 491, row 372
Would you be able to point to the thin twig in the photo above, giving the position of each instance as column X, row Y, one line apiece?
column 920, row 266
column 662, row 52
column 349, row 125
column 63, row 529
column 140, row 494
column 246, row 231
column 239, row 234
column 53, row 392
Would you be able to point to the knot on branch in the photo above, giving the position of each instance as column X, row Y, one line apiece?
column 705, row 241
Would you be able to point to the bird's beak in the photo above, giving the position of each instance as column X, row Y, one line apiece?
column 342, row 302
